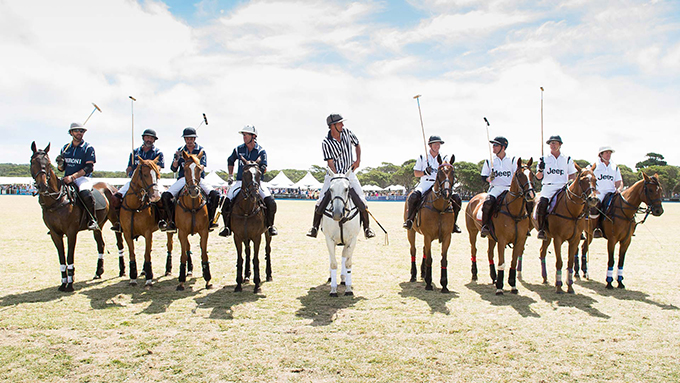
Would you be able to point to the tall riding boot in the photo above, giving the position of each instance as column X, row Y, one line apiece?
column 88, row 202
column 541, row 213
column 595, row 215
column 530, row 211
column 456, row 203
column 359, row 203
column 169, row 207
column 213, row 202
column 486, row 214
column 318, row 214
column 226, row 218
column 413, row 202
column 116, row 203
column 270, row 204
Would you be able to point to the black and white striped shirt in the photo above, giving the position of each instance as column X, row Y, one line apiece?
column 340, row 151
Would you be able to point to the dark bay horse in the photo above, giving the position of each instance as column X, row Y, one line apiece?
column 510, row 226
column 138, row 216
column 435, row 220
column 191, row 217
column 619, row 223
column 248, row 224
column 63, row 216
column 566, row 222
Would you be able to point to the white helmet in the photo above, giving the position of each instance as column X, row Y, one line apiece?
column 604, row 149
column 249, row 129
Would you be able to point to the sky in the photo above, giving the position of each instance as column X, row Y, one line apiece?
column 610, row 70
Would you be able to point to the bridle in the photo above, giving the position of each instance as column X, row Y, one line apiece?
column 57, row 195
column 524, row 192
column 584, row 193
column 345, row 201
column 143, row 192
column 444, row 186
column 250, row 189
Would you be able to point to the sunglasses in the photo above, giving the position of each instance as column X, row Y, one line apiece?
column 78, row 130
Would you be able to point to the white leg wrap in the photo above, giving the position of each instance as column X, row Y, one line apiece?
column 348, row 280
column 121, row 252
column 101, row 256
column 62, row 268
column 610, row 273
column 334, row 281
column 501, row 267
column 620, row 273
column 558, row 276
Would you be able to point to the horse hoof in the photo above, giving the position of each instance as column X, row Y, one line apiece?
column 148, row 283
column 342, row 283
column 474, row 277
column 62, row 287
column 237, row 289
column 413, row 279
column 69, row 288
column 558, row 290
column 168, row 273
column 180, row 288
column 257, row 290
column 334, row 295
column 190, row 273
column 97, row 276
column 246, row 280
column 586, row 276
column 570, row 290
column 133, row 282
column 545, row 281
column 577, row 276
column 428, row 287
column 519, row 275
column 609, row 286
column 142, row 273
column 349, row 293
column 445, row 290
column 121, row 274
column 514, row 291
column 621, row 286
column 270, row 279
column 499, row 291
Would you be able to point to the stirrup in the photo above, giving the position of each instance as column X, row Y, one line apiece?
column 485, row 231
column 541, row 235
column 170, row 228
column 369, row 233
column 93, row 226
column 225, row 232
column 116, row 227
column 213, row 226
column 408, row 224
column 456, row 229
column 313, row 232
column 273, row 231
column 597, row 233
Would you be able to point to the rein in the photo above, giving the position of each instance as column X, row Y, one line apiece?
column 56, row 195
column 142, row 193
column 347, row 213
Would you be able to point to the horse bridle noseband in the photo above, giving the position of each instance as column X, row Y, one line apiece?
column 440, row 184
column 344, row 201
column 254, row 185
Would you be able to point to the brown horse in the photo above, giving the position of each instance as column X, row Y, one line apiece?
column 566, row 222
column 619, row 223
column 191, row 217
column 248, row 223
column 63, row 216
column 434, row 221
column 510, row 223
column 137, row 215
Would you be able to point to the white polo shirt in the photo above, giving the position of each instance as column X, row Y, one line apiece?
column 503, row 171
column 606, row 176
column 421, row 165
column 556, row 174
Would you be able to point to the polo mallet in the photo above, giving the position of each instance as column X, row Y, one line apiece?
column 387, row 240
column 205, row 119
column 541, row 122
column 132, row 111
column 422, row 127
column 488, row 142
column 93, row 110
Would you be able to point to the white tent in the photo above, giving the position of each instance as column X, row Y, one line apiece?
column 308, row 182
column 213, row 179
column 395, row 188
column 281, row 181
column 371, row 188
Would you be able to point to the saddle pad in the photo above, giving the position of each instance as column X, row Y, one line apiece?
column 99, row 200
column 478, row 216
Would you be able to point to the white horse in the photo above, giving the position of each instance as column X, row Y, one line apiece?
column 341, row 226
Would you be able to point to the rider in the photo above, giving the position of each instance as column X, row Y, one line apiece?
column 77, row 160
column 251, row 151
column 337, row 151
column 427, row 171
column 148, row 152
column 499, row 176
column 168, row 197
column 554, row 171
column 609, row 181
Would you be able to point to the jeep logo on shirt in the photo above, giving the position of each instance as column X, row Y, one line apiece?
column 605, row 177
column 556, row 171
column 504, row 173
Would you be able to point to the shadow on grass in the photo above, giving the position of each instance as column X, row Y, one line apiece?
column 159, row 296
column 222, row 301
column 623, row 294
column 321, row 308
column 521, row 304
column 579, row 301
column 47, row 294
column 435, row 299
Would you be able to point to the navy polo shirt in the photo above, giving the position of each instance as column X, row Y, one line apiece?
column 250, row 155
column 148, row 155
column 180, row 163
column 75, row 157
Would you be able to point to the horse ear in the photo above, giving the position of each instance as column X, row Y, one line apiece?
column 439, row 159
column 200, row 154
column 645, row 176
column 185, row 155
column 348, row 172
column 329, row 172
column 453, row 159
column 47, row 148
column 578, row 168
column 158, row 158
column 33, row 147
column 259, row 159
column 519, row 163
column 531, row 161
column 243, row 159
column 139, row 158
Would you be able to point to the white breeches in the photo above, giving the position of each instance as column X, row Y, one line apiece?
column 603, row 192
column 236, row 187
column 84, row 183
column 123, row 190
column 424, row 186
column 353, row 183
column 179, row 184
column 497, row 190
column 548, row 191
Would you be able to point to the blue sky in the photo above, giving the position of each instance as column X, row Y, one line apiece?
column 611, row 71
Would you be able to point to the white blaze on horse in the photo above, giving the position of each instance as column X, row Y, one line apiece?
column 341, row 226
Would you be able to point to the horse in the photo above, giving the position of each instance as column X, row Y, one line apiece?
column 566, row 222
column 63, row 216
column 510, row 224
column 138, row 216
column 192, row 217
column 248, row 223
column 341, row 226
column 619, row 223
column 435, row 220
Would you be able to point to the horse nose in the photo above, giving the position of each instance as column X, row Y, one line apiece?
column 657, row 211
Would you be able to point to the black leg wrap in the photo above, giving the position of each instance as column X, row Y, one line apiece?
column 148, row 272
column 168, row 263
column 121, row 266
column 100, row 268
column 190, row 263
column 206, row 271
column 492, row 272
column 499, row 281
column 213, row 202
column 133, row 269
column 270, row 203
column 182, row 272
column 512, row 277
column 474, row 270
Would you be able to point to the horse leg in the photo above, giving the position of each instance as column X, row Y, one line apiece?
column 256, row 264
column 557, row 245
column 133, row 261
column 239, row 263
column 623, row 248
column 423, row 266
column 573, row 249
column 246, row 271
column 544, row 251
column 185, row 246
column 517, row 251
column 576, row 262
column 611, row 244
column 205, row 263
column 411, row 235
column 190, row 262
column 121, row 255
column 492, row 266
column 148, row 269
column 473, row 253
column 70, row 259
column 444, row 278
column 428, row 263
column 100, row 256
column 343, row 265
column 168, row 259
column 347, row 252
column 501, row 268
column 330, row 244
column 268, row 255
column 59, row 244
column 584, row 256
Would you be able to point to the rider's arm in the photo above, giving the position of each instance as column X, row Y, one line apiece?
column 619, row 186
column 356, row 163
column 331, row 165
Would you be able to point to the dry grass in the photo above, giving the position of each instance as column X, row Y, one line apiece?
column 391, row 331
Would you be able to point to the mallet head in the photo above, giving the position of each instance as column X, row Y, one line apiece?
column 205, row 119
column 96, row 107
column 416, row 96
column 132, row 98
column 487, row 121
column 541, row 89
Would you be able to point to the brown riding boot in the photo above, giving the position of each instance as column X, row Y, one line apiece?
column 318, row 214
column 456, row 203
column 412, row 202
column 368, row 232
column 486, row 214
column 541, row 217
column 595, row 215
column 116, row 203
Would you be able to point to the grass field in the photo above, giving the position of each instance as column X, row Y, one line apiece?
column 390, row 331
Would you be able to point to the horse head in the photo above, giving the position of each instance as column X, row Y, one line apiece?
column 445, row 178
column 339, row 189
column 524, row 178
column 41, row 168
column 192, row 173
column 653, row 193
column 252, row 176
column 585, row 186
column 147, row 175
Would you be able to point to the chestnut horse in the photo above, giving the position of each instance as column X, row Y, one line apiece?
column 248, row 224
column 566, row 222
column 619, row 223
column 191, row 217
column 137, row 215
column 510, row 224
column 434, row 221
column 63, row 216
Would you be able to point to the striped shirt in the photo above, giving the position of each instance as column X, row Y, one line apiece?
column 340, row 151
column 146, row 155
